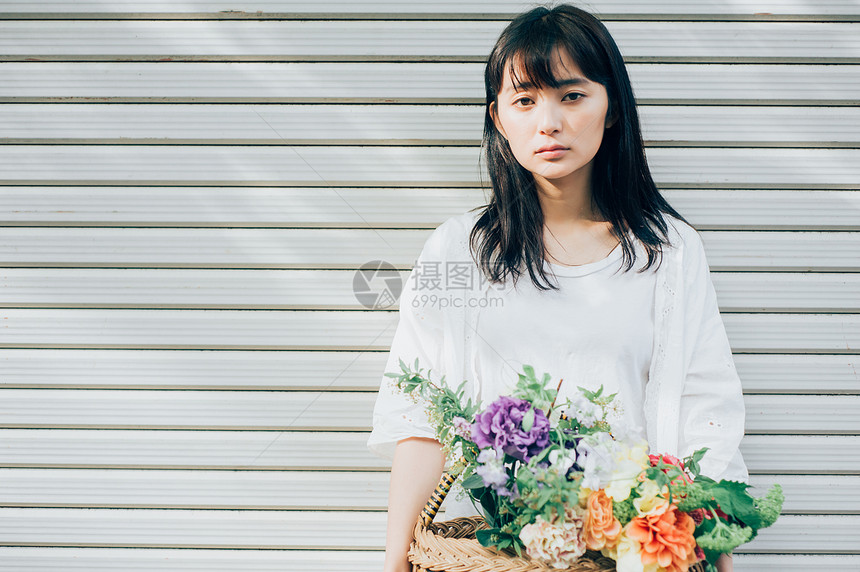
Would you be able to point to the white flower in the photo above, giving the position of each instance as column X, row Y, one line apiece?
column 596, row 457
column 562, row 462
column 586, row 412
column 491, row 469
column 629, row 461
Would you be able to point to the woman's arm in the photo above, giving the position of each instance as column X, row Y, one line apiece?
column 724, row 563
column 712, row 402
column 415, row 472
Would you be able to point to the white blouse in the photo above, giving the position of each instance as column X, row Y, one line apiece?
column 655, row 337
column 597, row 329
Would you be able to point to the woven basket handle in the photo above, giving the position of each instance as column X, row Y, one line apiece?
column 428, row 513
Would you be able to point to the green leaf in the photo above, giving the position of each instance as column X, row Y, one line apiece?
column 487, row 536
column 530, row 371
column 529, row 420
column 733, row 498
column 472, row 482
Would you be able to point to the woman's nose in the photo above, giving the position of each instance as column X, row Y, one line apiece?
column 549, row 119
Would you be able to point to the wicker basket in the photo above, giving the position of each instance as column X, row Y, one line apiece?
column 450, row 546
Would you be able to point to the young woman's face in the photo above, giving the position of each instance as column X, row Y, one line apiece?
column 553, row 132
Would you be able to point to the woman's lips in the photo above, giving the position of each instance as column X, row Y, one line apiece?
column 551, row 152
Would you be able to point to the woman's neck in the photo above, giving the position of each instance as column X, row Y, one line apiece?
column 567, row 202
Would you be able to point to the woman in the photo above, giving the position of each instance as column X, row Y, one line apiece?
column 572, row 198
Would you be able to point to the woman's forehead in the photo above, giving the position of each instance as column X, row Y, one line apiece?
column 552, row 69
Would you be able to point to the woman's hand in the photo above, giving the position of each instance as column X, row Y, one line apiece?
column 724, row 563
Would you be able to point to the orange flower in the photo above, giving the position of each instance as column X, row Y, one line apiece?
column 601, row 528
column 666, row 539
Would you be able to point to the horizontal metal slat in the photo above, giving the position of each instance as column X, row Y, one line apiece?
column 351, row 248
column 491, row 8
column 14, row 559
column 193, row 369
column 334, row 289
column 297, row 530
column 721, row 168
column 336, row 371
column 292, row 40
column 362, row 331
column 96, row 488
column 767, row 210
column 331, row 411
column 266, row 450
column 715, row 209
column 281, row 411
column 253, row 82
column 202, row 489
column 794, row 333
column 798, row 373
column 715, row 167
column 809, row 414
column 231, row 450
column 400, row 124
column 198, row 329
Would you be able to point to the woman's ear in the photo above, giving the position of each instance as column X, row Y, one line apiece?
column 611, row 118
column 494, row 113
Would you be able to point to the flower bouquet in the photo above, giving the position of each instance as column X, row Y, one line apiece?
column 560, row 488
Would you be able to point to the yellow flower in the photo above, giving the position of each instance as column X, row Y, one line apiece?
column 629, row 464
column 651, row 499
column 584, row 493
column 627, row 554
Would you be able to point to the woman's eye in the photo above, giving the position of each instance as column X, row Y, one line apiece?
column 572, row 96
column 523, row 101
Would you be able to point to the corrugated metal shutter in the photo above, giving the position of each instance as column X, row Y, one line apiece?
column 186, row 190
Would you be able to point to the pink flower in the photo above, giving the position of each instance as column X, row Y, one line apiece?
column 670, row 460
column 558, row 542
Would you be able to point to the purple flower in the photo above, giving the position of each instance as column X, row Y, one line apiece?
column 500, row 426
column 462, row 427
column 491, row 469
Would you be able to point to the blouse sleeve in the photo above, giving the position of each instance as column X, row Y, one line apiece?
column 419, row 334
column 712, row 406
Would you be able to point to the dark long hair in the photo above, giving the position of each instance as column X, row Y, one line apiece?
column 509, row 233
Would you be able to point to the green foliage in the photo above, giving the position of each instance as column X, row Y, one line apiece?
column 496, row 538
column 534, row 390
column 597, row 396
column 770, row 506
column 734, row 500
column 472, row 482
column 722, row 537
column 528, row 420
column 691, row 463
column 624, row 511
column 443, row 406
column 694, row 496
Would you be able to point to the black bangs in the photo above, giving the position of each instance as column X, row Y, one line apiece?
column 532, row 61
column 533, row 68
column 532, row 53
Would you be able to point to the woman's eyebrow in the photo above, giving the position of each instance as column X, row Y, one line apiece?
column 576, row 80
